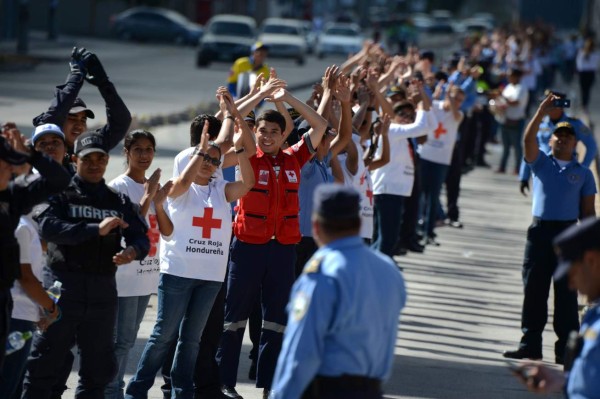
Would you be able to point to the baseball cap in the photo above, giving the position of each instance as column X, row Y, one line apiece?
column 566, row 126
column 78, row 106
column 47, row 128
column 259, row 46
column 90, row 142
column 571, row 244
column 250, row 117
column 335, row 201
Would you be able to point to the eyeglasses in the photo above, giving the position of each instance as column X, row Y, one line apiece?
column 209, row 159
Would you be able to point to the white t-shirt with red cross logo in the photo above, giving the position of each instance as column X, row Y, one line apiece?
column 440, row 141
column 139, row 277
column 362, row 183
column 199, row 245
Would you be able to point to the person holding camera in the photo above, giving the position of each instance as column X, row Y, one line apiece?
column 557, row 114
column 579, row 251
column 563, row 192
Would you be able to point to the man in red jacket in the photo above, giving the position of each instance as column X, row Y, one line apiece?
column 263, row 253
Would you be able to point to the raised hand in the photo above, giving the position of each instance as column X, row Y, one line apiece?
column 162, row 193
column 152, row 184
column 75, row 63
column 342, row 90
column 96, row 74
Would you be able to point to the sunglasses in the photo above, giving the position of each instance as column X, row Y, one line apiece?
column 209, row 159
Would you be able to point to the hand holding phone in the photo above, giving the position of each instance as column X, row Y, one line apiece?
column 561, row 103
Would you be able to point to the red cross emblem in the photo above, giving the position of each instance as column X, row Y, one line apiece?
column 206, row 222
column 439, row 130
column 370, row 196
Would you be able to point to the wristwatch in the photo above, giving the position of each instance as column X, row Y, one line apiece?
column 240, row 150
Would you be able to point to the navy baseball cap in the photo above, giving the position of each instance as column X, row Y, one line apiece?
column 78, row 106
column 571, row 244
column 335, row 201
column 565, row 126
column 90, row 142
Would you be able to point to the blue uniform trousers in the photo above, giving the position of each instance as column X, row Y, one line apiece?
column 89, row 306
column 538, row 267
column 256, row 271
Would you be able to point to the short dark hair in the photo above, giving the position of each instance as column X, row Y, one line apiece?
column 338, row 227
column 403, row 105
column 271, row 115
column 214, row 127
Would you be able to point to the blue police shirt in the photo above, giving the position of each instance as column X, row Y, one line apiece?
column 582, row 133
column 337, row 322
column 313, row 173
column 468, row 86
column 584, row 378
column 557, row 192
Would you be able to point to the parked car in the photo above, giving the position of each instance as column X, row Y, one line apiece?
column 284, row 38
column 155, row 24
column 339, row 38
column 227, row 37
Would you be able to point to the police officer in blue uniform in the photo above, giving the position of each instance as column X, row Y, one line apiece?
column 555, row 116
column 579, row 251
column 339, row 341
column 563, row 191
column 84, row 226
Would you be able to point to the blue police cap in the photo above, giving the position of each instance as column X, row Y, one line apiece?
column 572, row 243
column 335, row 201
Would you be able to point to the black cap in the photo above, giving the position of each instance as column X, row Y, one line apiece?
column 78, row 106
column 571, row 244
column 427, row 54
column 564, row 126
column 335, row 202
column 90, row 142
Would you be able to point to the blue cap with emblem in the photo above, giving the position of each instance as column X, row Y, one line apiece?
column 571, row 244
column 335, row 202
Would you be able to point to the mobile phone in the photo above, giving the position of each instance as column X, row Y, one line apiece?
column 561, row 103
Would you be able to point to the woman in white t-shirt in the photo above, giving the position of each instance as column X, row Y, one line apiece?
column 193, row 260
column 516, row 97
column 29, row 301
column 137, row 280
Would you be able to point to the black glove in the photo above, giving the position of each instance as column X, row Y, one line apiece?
column 75, row 63
column 95, row 71
column 524, row 186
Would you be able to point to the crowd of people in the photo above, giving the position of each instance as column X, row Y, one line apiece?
column 391, row 129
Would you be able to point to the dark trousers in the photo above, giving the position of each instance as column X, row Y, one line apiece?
column 304, row 250
column 340, row 388
column 433, row 175
column 14, row 365
column 586, row 81
column 89, row 307
column 410, row 215
column 538, row 267
column 453, row 178
column 6, row 305
column 256, row 271
column 512, row 137
column 206, row 372
column 387, row 219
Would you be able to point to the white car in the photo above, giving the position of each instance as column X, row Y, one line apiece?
column 284, row 38
column 339, row 38
column 227, row 37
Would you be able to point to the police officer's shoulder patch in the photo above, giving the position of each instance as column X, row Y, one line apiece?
column 590, row 334
column 300, row 305
column 313, row 265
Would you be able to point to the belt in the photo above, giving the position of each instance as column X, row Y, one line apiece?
column 343, row 383
column 553, row 223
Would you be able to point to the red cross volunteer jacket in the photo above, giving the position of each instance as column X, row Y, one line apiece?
column 270, row 209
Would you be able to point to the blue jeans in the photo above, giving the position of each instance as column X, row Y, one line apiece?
column 512, row 137
column 130, row 314
column 14, row 364
column 433, row 175
column 387, row 219
column 183, row 307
